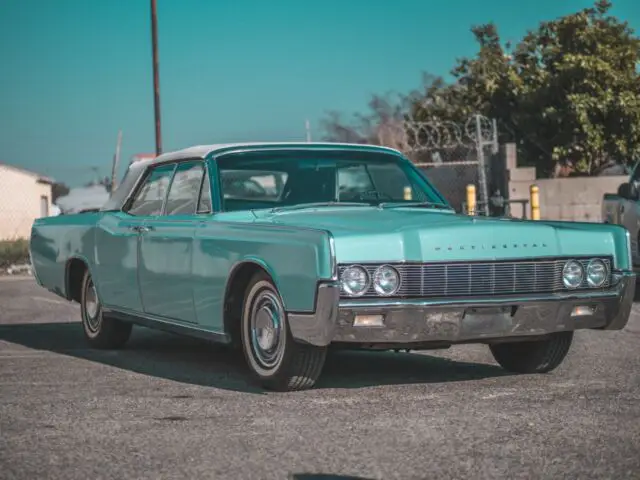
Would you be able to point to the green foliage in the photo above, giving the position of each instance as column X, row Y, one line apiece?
column 568, row 93
column 58, row 190
column 13, row 251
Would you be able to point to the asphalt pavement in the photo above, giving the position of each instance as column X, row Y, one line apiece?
column 175, row 407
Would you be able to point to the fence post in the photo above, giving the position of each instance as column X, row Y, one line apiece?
column 471, row 199
column 407, row 193
column 534, row 193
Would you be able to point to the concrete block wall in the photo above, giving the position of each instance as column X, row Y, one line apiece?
column 576, row 199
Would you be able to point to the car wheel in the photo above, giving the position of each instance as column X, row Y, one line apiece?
column 278, row 362
column 100, row 330
column 540, row 356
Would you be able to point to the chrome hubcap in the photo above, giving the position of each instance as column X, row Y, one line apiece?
column 92, row 307
column 267, row 329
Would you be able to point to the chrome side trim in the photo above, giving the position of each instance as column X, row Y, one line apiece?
column 333, row 258
column 154, row 322
column 629, row 250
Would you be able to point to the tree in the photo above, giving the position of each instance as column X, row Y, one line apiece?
column 575, row 91
column 568, row 93
column 58, row 190
column 383, row 125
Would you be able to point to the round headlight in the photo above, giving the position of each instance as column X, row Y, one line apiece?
column 596, row 273
column 386, row 280
column 572, row 274
column 355, row 281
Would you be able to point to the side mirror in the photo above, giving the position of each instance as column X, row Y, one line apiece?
column 626, row 191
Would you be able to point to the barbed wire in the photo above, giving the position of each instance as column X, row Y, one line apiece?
column 437, row 134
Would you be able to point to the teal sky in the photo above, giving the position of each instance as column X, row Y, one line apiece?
column 73, row 72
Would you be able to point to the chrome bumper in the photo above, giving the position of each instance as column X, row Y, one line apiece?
column 461, row 320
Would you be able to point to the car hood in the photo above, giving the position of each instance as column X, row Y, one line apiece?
column 371, row 234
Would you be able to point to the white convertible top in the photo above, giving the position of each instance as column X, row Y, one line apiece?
column 201, row 151
column 135, row 170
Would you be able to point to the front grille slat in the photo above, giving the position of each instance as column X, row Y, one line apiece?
column 474, row 279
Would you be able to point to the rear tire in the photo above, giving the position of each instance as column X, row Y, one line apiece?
column 540, row 356
column 99, row 330
column 274, row 358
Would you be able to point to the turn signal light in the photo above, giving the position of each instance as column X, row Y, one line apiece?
column 368, row 321
column 583, row 310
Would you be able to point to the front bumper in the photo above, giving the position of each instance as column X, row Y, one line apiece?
column 461, row 320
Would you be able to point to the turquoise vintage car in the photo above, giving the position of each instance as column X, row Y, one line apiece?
column 285, row 250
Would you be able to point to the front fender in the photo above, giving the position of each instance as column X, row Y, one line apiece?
column 297, row 259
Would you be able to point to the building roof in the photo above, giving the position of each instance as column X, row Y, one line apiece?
column 201, row 151
column 37, row 176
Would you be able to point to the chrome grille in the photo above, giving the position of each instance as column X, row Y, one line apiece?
column 481, row 278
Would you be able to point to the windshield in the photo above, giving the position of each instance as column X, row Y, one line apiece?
column 279, row 179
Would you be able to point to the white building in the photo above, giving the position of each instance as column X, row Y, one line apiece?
column 24, row 196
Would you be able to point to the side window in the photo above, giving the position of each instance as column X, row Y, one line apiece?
column 204, row 202
column 184, row 190
column 149, row 198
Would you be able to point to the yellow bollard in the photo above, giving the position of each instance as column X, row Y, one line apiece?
column 471, row 199
column 534, row 193
column 407, row 193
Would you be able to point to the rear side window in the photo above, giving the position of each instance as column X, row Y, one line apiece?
column 149, row 198
column 185, row 188
column 205, row 204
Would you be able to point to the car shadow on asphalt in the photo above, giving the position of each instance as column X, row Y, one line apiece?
column 197, row 362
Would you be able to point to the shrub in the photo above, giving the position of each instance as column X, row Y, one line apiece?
column 13, row 251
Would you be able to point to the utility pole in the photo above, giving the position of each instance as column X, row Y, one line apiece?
column 308, row 129
column 156, row 79
column 116, row 160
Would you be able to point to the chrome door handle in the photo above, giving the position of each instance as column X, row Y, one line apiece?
column 141, row 228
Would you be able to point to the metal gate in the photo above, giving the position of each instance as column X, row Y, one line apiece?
column 454, row 155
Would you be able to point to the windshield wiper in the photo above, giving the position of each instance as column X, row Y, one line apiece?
column 414, row 204
column 299, row 206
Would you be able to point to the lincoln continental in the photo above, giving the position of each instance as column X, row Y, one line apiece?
column 286, row 251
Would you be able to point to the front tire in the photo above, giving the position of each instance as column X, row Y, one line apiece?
column 274, row 358
column 540, row 356
column 100, row 331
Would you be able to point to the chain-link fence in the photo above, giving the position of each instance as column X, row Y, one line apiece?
column 454, row 155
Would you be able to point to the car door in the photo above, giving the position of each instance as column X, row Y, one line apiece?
column 166, row 248
column 117, row 242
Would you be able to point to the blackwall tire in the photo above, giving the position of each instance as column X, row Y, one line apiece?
column 274, row 358
column 99, row 330
column 541, row 356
